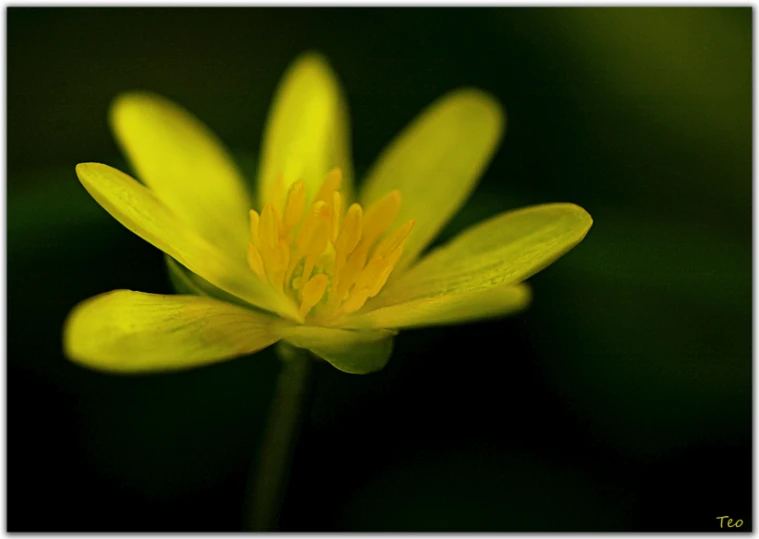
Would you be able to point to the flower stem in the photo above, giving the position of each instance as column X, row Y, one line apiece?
column 268, row 484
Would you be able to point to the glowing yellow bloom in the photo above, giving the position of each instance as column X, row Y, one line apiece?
column 308, row 264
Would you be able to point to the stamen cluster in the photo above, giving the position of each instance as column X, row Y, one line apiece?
column 327, row 262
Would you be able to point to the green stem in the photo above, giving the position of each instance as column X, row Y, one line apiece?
column 268, row 485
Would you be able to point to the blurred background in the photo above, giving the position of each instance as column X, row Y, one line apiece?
column 620, row 401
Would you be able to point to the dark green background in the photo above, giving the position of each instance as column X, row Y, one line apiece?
column 620, row 401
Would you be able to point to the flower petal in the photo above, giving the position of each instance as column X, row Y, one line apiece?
column 503, row 250
column 185, row 165
column 435, row 163
column 307, row 133
column 131, row 332
column 138, row 209
column 446, row 309
column 354, row 352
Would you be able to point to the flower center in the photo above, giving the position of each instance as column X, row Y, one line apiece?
column 327, row 261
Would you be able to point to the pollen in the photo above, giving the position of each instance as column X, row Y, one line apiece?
column 326, row 259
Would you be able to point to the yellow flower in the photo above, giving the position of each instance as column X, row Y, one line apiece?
column 313, row 267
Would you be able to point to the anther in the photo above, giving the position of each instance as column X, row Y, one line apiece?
column 369, row 283
column 308, row 228
column 337, row 208
column 371, row 273
column 394, row 240
column 313, row 292
column 380, row 281
column 352, row 268
column 350, row 233
column 354, row 302
column 280, row 266
column 296, row 201
column 349, row 236
column 379, row 216
column 254, row 221
column 255, row 261
column 268, row 228
column 330, row 185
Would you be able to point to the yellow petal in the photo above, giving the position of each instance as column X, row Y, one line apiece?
column 185, row 165
column 503, row 250
column 138, row 209
column 354, row 352
column 133, row 332
column 306, row 135
column 446, row 309
column 435, row 164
